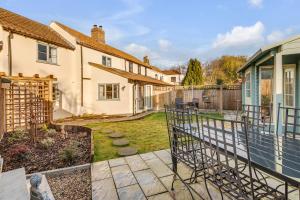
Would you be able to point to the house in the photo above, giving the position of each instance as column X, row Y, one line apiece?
column 91, row 76
column 173, row 76
column 29, row 47
column 272, row 76
column 113, row 82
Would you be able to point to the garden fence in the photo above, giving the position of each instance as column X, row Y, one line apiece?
column 211, row 97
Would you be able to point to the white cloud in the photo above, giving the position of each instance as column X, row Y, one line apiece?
column 256, row 3
column 276, row 36
column 241, row 36
column 133, row 7
column 164, row 45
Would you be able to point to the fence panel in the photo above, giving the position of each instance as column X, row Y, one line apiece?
column 208, row 97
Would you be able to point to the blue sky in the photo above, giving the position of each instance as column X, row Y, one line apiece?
column 172, row 31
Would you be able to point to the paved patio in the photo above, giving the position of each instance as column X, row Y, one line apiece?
column 143, row 176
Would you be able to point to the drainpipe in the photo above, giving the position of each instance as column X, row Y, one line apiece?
column 81, row 74
column 9, row 37
column 133, row 97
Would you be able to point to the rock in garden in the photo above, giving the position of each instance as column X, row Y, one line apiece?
column 127, row 151
column 120, row 142
column 116, row 135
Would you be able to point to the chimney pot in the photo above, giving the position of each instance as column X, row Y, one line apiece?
column 98, row 34
column 146, row 60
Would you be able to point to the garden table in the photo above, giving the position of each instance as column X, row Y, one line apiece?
column 277, row 156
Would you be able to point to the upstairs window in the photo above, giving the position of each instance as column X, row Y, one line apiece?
column 106, row 61
column 130, row 67
column 108, row 91
column 145, row 71
column 139, row 69
column 161, row 78
column 47, row 53
column 156, row 76
column 173, row 79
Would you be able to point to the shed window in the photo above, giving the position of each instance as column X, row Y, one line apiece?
column 47, row 53
column 248, row 85
column 108, row 91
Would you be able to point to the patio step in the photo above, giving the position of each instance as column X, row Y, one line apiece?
column 13, row 185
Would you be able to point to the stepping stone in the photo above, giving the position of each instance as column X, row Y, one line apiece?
column 107, row 131
column 127, row 151
column 116, row 135
column 120, row 142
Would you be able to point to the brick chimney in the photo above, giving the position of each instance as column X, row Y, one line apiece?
column 146, row 60
column 98, row 34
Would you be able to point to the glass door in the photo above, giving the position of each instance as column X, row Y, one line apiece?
column 266, row 86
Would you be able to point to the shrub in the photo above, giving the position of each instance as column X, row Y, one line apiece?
column 70, row 152
column 44, row 128
column 17, row 135
column 19, row 152
column 51, row 132
column 47, row 142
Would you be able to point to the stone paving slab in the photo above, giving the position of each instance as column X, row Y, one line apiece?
column 100, row 170
column 104, row 189
column 164, row 155
column 132, row 192
column 117, row 162
column 163, row 196
column 148, row 156
column 123, row 176
column 158, row 167
column 136, row 163
column 149, row 183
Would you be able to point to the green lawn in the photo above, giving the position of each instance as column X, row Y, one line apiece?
column 147, row 134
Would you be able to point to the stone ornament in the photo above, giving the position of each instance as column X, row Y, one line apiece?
column 35, row 192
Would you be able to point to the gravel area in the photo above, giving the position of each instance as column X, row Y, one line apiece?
column 76, row 185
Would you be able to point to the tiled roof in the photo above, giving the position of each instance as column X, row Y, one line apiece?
column 155, row 69
column 129, row 75
column 21, row 25
column 87, row 41
column 171, row 72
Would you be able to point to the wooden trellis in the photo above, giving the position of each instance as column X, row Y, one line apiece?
column 27, row 99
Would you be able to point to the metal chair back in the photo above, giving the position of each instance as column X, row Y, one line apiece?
column 290, row 121
column 259, row 118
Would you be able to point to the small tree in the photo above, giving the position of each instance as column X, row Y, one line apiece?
column 194, row 75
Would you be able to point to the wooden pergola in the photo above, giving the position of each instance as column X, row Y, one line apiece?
column 25, row 100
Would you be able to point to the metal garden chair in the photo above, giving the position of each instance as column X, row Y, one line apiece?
column 232, row 176
column 184, row 145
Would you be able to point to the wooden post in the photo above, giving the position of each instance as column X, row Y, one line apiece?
column 221, row 99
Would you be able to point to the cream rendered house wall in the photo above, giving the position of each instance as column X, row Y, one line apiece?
column 24, row 60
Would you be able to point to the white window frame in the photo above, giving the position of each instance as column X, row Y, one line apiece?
column 108, row 61
column 248, row 89
column 294, row 85
column 49, row 60
column 105, row 95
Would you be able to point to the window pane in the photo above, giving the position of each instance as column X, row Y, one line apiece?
column 101, row 92
column 108, row 91
column 108, row 62
column 52, row 55
column 130, row 67
column 104, row 60
column 139, row 69
column 42, row 52
column 116, row 91
column 145, row 71
column 173, row 79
